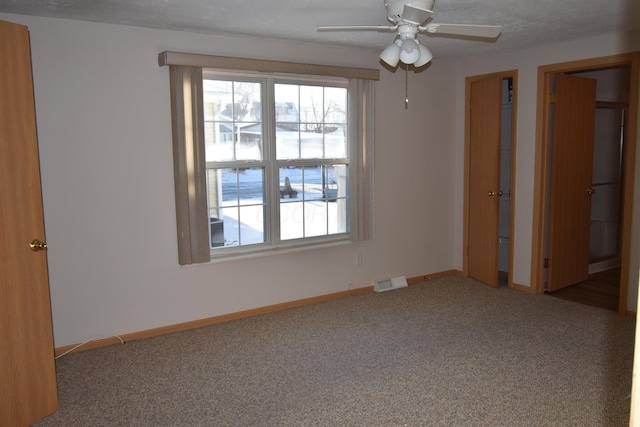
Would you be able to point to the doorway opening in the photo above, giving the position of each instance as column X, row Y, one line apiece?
column 611, row 182
column 612, row 108
column 602, row 286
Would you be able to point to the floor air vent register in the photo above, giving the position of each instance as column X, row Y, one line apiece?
column 389, row 284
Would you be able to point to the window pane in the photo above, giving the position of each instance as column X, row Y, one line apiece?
column 251, row 185
column 336, row 197
column 287, row 121
column 232, row 113
column 287, row 143
column 236, row 206
column 313, row 201
column 311, row 105
column 313, row 180
column 335, row 123
column 311, row 142
column 337, row 210
column 291, row 220
column 252, row 224
column 335, row 105
column 300, row 182
column 287, row 104
column 315, row 218
column 335, row 141
column 249, row 141
column 310, row 122
column 230, row 226
column 290, row 183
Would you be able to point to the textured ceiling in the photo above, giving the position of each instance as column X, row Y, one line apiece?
column 525, row 23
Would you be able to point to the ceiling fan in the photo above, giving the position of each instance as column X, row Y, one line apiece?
column 409, row 18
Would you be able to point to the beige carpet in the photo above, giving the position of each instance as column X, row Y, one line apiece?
column 447, row 352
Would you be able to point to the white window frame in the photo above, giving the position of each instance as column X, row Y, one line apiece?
column 186, row 71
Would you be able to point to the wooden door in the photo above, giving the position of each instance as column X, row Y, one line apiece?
column 573, row 127
column 27, row 366
column 485, row 117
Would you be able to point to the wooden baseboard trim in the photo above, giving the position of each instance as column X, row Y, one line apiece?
column 419, row 279
column 522, row 288
column 179, row 327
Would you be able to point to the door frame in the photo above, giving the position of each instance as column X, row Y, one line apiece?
column 540, row 191
column 513, row 74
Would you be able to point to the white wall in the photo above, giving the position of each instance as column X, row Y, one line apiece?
column 527, row 62
column 104, row 132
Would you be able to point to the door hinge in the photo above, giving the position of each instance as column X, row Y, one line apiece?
column 546, row 263
column 554, row 97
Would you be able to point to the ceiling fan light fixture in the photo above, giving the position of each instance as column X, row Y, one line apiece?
column 410, row 18
column 410, row 52
column 425, row 56
column 391, row 53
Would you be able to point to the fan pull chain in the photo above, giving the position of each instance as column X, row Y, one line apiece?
column 406, row 88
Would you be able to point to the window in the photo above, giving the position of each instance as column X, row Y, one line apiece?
column 292, row 134
column 266, row 161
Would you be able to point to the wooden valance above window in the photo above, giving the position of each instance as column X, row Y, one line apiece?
column 264, row 66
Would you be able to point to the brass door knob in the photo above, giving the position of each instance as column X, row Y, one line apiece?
column 493, row 193
column 590, row 191
column 37, row 245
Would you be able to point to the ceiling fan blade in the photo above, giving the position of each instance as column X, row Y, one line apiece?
column 380, row 28
column 485, row 31
column 415, row 15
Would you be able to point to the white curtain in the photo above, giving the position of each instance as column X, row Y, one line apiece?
column 362, row 158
